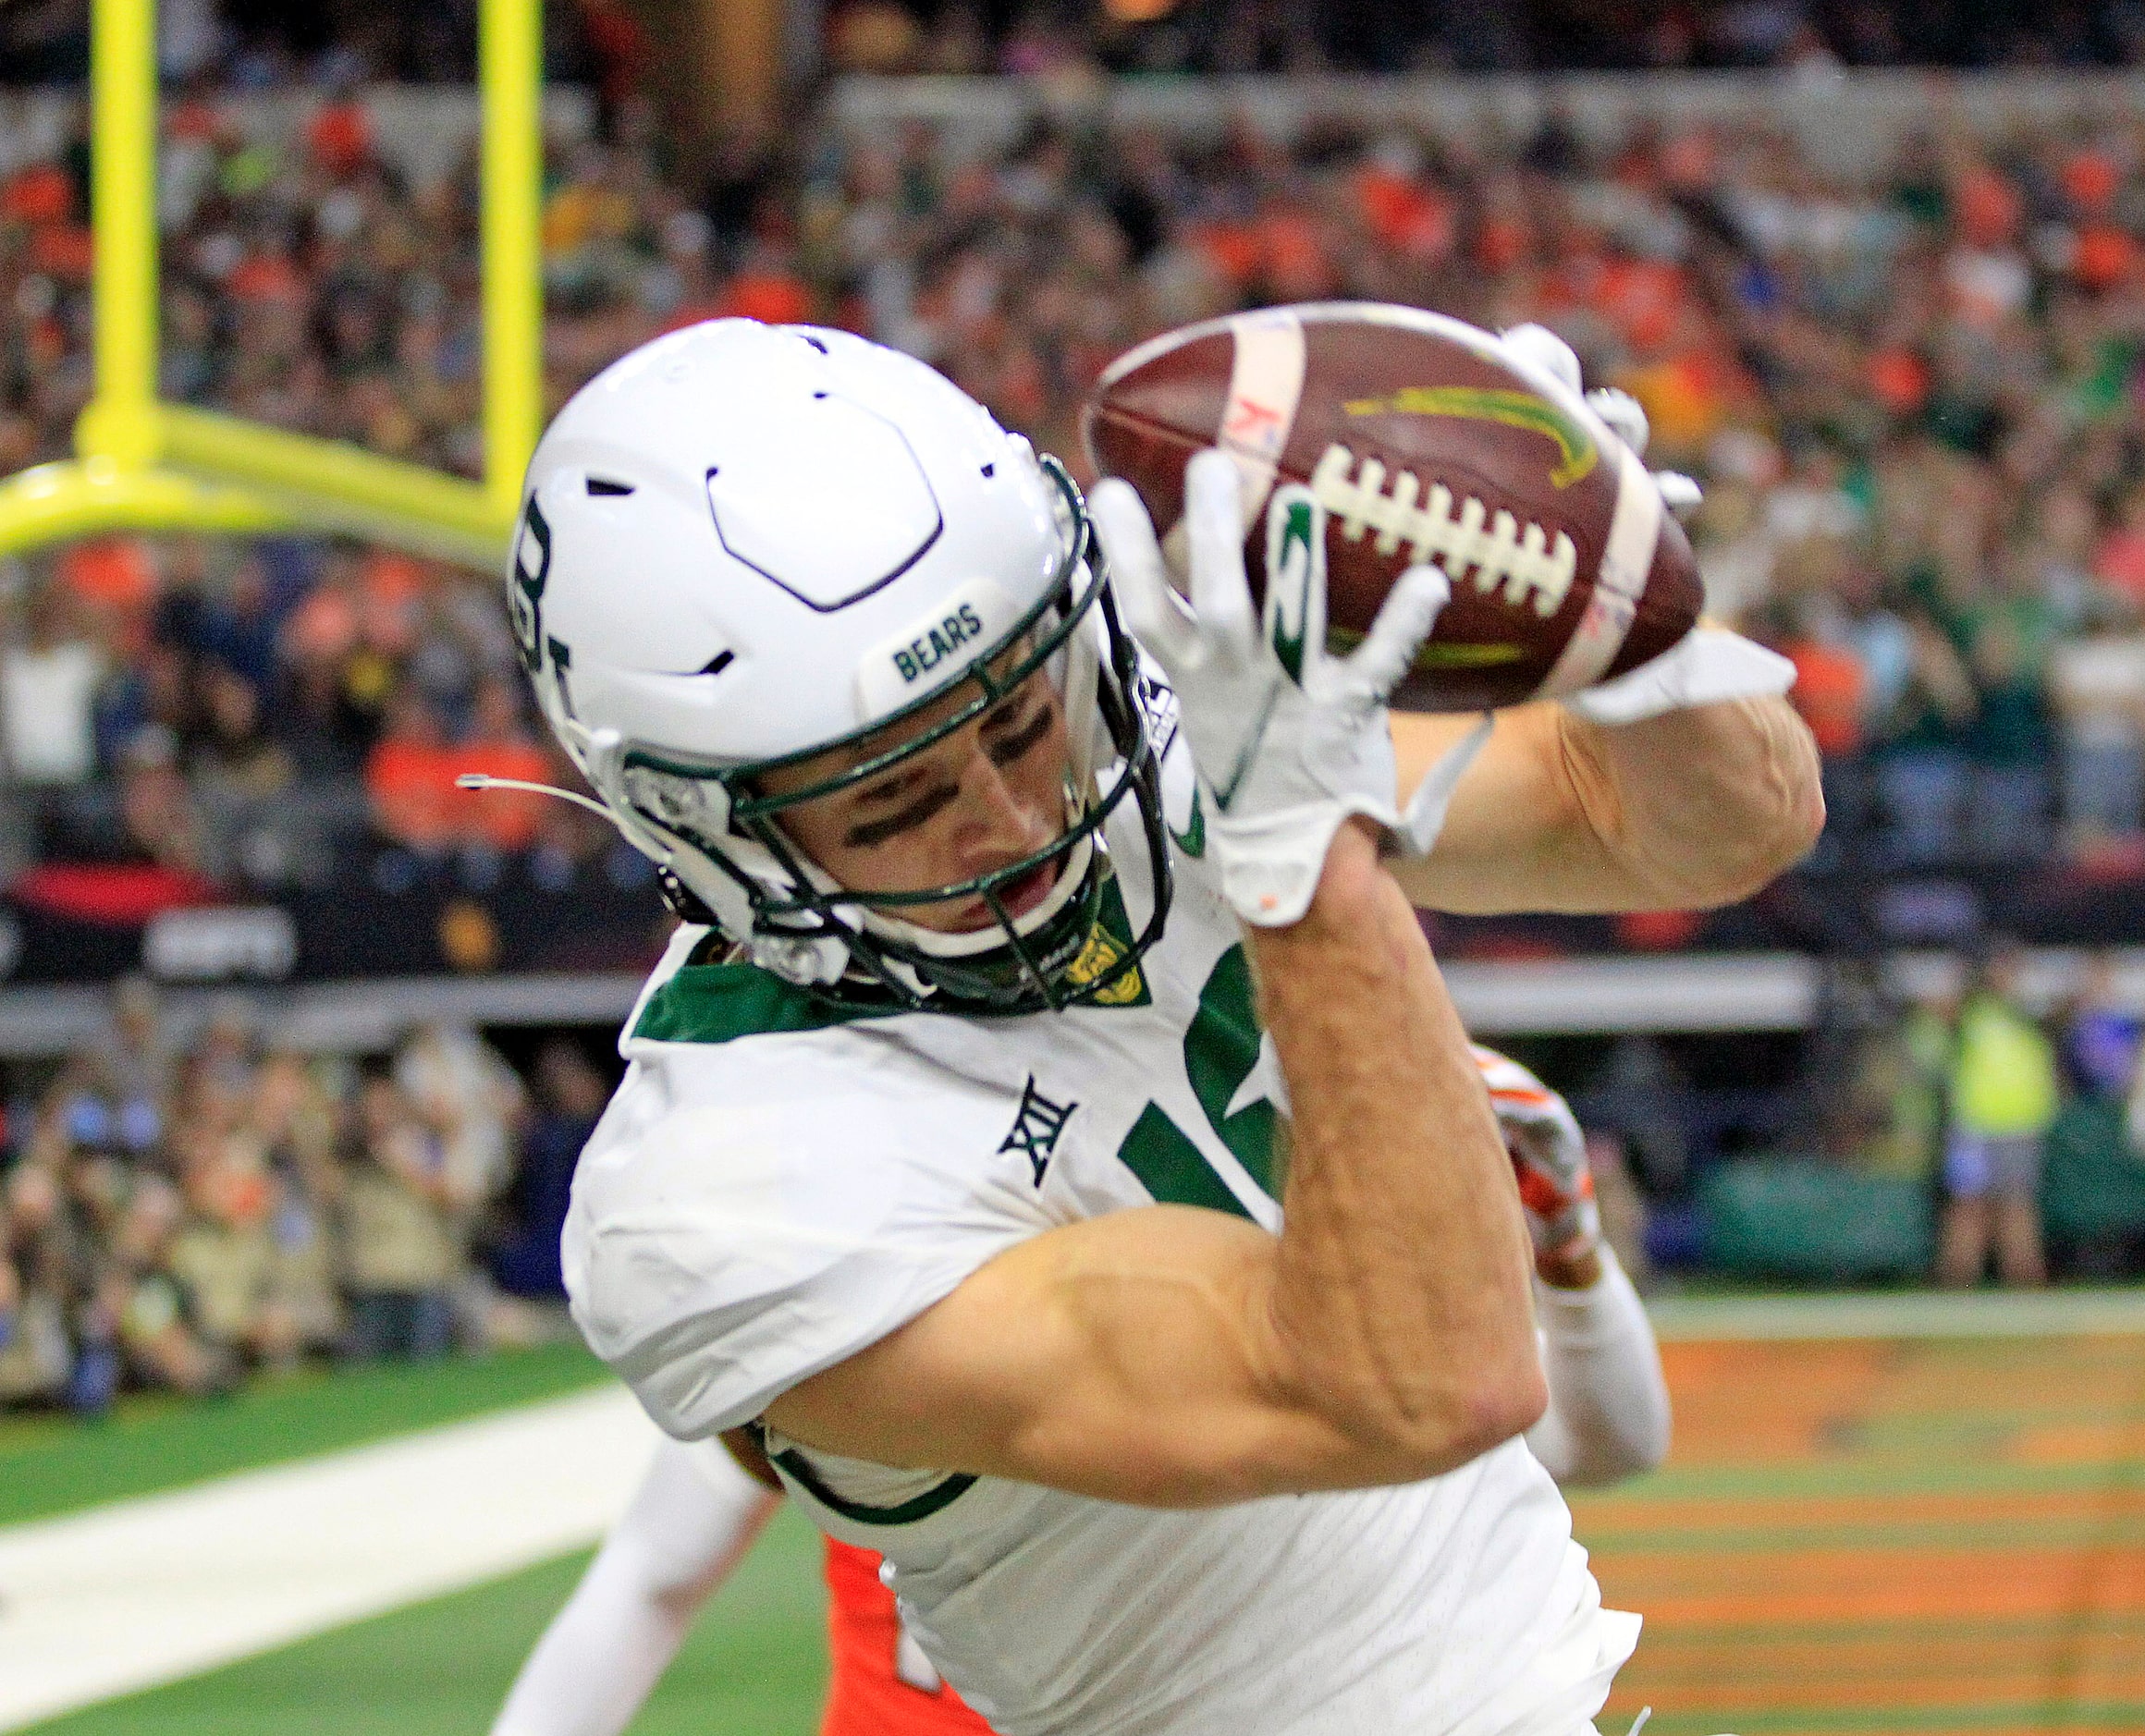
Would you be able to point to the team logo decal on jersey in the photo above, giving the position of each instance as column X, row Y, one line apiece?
column 1099, row 955
column 1037, row 1126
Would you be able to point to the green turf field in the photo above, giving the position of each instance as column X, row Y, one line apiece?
column 1879, row 1538
column 1854, row 1538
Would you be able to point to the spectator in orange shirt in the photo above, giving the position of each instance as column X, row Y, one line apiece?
column 340, row 137
column 1831, row 694
column 2119, row 562
column 1829, row 689
column 767, row 290
column 409, row 776
column 499, row 744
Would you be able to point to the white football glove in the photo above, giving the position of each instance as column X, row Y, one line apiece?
column 1709, row 664
column 1288, row 742
column 1549, row 1155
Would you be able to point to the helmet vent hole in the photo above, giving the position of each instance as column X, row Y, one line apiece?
column 989, row 471
column 818, row 395
column 817, row 345
column 604, row 485
column 719, row 661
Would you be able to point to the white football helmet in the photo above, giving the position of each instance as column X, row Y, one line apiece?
column 744, row 544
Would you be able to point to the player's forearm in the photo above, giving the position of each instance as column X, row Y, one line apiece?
column 1700, row 807
column 1608, row 1406
column 1689, row 809
column 1399, row 1302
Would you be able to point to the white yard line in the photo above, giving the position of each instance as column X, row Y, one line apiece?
column 142, row 1592
column 1905, row 1314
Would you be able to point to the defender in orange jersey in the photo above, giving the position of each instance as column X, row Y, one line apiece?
column 882, row 1685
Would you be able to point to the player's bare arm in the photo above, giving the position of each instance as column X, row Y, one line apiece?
column 1683, row 811
column 1685, row 784
column 1182, row 1359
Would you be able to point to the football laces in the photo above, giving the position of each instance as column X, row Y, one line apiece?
column 1461, row 535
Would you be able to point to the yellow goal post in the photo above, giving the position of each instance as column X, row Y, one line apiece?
column 142, row 464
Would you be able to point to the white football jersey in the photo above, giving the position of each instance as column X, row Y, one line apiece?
column 778, row 1183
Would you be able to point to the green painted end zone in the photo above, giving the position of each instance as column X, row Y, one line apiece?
column 58, row 1465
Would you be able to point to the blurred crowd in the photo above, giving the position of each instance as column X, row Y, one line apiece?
column 257, row 45
column 208, row 714
column 1914, row 400
column 1949, row 1119
column 183, row 1217
column 252, row 43
column 1085, row 38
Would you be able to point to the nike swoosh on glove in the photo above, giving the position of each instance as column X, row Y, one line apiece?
column 1549, row 1155
column 1288, row 741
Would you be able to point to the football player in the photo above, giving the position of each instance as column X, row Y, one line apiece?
column 1010, row 944
column 698, row 1510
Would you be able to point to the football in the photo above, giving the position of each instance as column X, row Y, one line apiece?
column 1424, row 441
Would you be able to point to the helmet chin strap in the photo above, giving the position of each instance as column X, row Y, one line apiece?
column 803, row 960
column 969, row 944
column 485, row 780
column 783, row 959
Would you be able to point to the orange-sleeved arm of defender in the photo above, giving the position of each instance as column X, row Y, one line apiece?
column 881, row 1683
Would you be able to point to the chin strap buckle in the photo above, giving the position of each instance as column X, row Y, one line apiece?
column 685, row 904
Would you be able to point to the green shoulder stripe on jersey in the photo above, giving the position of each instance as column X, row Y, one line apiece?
column 717, row 1003
column 936, row 1499
column 714, row 1002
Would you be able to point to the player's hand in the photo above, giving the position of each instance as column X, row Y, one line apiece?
column 1710, row 663
column 1539, row 347
column 1288, row 741
column 1549, row 1154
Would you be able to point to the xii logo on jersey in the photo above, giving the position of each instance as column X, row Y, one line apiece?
column 1037, row 1126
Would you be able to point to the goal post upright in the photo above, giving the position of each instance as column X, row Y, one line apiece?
column 123, row 291
column 511, row 73
column 146, row 465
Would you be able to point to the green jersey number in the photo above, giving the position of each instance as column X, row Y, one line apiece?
column 1221, row 1049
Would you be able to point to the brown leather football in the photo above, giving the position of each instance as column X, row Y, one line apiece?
column 1424, row 441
